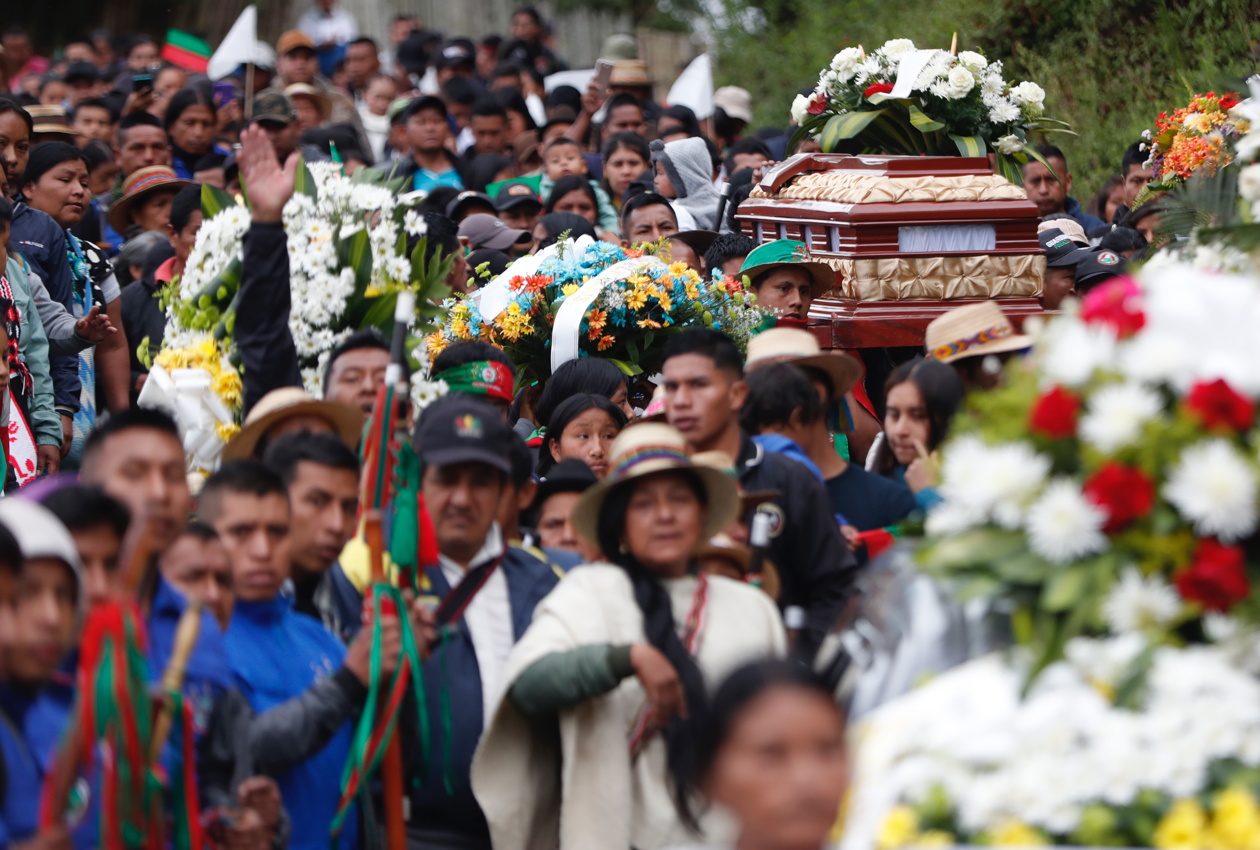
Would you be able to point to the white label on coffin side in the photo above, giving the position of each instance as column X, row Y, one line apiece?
column 946, row 238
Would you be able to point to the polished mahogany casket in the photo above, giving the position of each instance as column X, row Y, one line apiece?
column 909, row 238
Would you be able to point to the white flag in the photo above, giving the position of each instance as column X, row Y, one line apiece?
column 694, row 87
column 238, row 47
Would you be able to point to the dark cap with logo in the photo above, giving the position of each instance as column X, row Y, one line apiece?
column 468, row 198
column 1097, row 267
column 425, row 102
column 455, row 52
column 273, row 107
column 457, row 429
column 1061, row 251
column 486, row 231
column 515, row 194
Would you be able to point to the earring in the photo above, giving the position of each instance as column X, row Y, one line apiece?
column 623, row 549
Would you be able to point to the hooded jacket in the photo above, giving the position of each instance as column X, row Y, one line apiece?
column 690, row 170
column 278, row 658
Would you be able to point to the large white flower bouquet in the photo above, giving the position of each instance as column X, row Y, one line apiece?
column 348, row 241
column 1105, row 500
column 902, row 100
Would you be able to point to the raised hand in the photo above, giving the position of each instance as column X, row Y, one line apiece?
column 95, row 326
column 267, row 185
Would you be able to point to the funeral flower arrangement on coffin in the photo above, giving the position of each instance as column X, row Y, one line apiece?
column 353, row 245
column 586, row 298
column 1106, row 497
column 903, row 100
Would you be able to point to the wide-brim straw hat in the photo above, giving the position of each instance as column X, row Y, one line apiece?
column 139, row 185
column 630, row 72
column 973, row 331
column 280, row 404
column 722, row 546
column 308, row 90
column 50, row 119
column 801, row 348
column 645, row 450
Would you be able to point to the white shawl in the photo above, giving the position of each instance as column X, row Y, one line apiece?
column 591, row 797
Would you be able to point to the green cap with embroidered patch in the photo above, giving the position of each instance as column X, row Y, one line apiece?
column 788, row 252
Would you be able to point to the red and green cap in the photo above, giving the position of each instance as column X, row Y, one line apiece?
column 787, row 252
column 481, row 377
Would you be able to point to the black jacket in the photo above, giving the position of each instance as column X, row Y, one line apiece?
column 816, row 567
column 142, row 317
column 261, row 332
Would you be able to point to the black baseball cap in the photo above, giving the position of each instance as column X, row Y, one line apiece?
column 457, row 51
column 469, row 198
column 428, row 101
column 1098, row 266
column 1061, row 251
column 514, row 195
column 81, row 71
column 457, row 429
column 567, row 476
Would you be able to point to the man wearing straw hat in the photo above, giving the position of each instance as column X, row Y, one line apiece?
column 976, row 340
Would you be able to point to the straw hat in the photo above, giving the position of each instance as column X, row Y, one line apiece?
column 642, row 450
column 308, row 90
column 50, row 119
column 972, row 331
column 630, row 72
column 800, row 348
column 137, row 188
column 293, row 401
column 722, row 546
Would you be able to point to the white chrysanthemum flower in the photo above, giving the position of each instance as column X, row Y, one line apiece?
column 800, row 109
column 1063, row 525
column 1116, row 415
column 961, row 82
column 974, row 61
column 846, row 63
column 950, row 518
column 1004, row 112
column 1029, row 94
column 993, row 84
column 1197, row 122
column 940, row 88
column 1010, row 144
column 1214, row 486
column 994, row 482
column 1136, row 603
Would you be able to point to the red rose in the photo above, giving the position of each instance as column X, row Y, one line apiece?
column 879, row 88
column 1124, row 492
column 1054, row 414
column 1216, row 405
column 817, row 104
column 1217, row 578
column 1117, row 303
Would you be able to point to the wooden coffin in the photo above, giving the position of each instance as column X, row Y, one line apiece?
column 909, row 237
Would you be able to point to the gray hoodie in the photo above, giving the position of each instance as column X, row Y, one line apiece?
column 690, row 170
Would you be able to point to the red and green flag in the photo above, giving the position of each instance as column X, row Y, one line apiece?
column 186, row 51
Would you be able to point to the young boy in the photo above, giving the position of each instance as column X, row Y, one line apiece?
column 562, row 157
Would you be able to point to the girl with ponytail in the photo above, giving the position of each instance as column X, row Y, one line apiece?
column 600, row 690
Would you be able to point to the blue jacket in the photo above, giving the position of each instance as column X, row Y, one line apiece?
column 1072, row 207
column 23, row 780
column 42, row 243
column 276, row 654
column 452, row 669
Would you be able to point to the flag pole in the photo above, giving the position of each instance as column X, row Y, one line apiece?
column 249, row 90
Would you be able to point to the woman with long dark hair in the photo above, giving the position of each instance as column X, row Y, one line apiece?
column 626, row 157
column 574, row 194
column 584, row 375
column 583, row 427
column 920, row 398
column 615, row 659
column 788, row 800
column 190, row 123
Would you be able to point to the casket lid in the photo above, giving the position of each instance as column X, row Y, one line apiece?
column 873, row 165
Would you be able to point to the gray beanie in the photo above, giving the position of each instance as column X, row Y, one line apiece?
column 40, row 534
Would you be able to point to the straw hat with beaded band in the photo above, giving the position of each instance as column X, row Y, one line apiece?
column 138, row 186
column 282, row 403
column 800, row 348
column 973, row 331
column 646, row 449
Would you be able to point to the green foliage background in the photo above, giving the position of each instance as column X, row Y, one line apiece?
column 1108, row 66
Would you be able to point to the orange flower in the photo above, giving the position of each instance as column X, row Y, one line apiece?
column 606, row 343
column 648, row 323
column 633, row 253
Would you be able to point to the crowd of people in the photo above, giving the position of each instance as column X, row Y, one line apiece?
column 629, row 580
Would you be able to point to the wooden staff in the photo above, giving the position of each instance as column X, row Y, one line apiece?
column 173, row 677
column 391, row 760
